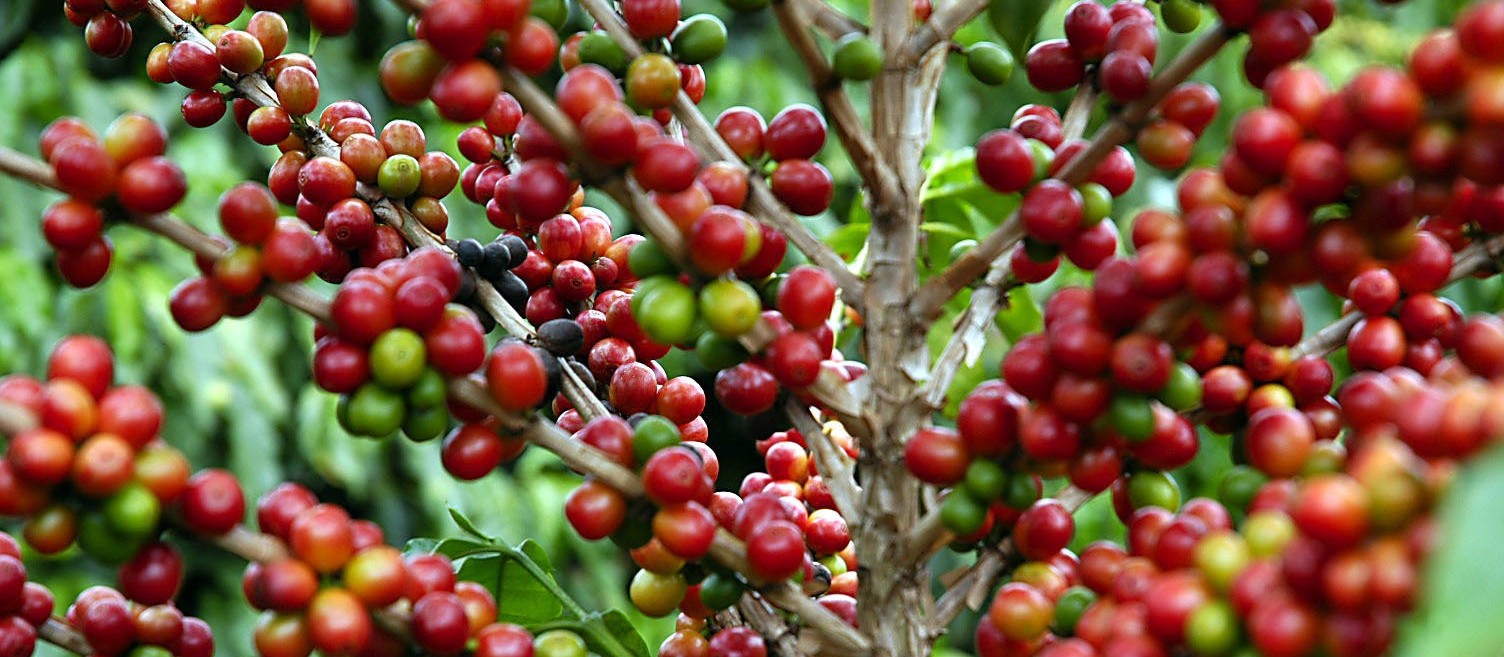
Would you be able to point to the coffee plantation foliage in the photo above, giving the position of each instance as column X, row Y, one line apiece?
column 242, row 396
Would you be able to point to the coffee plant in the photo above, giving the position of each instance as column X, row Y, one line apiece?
column 905, row 478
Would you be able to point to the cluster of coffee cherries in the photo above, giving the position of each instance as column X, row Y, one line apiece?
column 656, row 77
column 108, row 32
column 1327, row 563
column 1447, row 415
column 1058, row 218
column 689, row 640
column 24, row 605
column 791, row 140
column 324, row 189
column 802, row 349
column 107, row 25
column 93, row 470
column 1119, row 42
column 445, row 63
column 1278, row 33
column 326, row 595
column 266, row 249
column 394, row 341
column 1167, row 140
column 124, row 170
column 112, row 624
column 786, row 517
column 791, row 474
column 1078, row 399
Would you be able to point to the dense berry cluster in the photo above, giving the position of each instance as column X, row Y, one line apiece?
column 1374, row 190
column 93, row 470
column 110, row 623
column 124, row 169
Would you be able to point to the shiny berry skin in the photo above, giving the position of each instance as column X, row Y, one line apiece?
column 796, row 132
column 1052, row 212
column 213, row 503
column 937, row 456
column 776, row 551
column 595, row 510
column 1054, row 66
column 440, row 626
column 803, row 185
column 806, row 297
column 1044, row 529
column 517, row 377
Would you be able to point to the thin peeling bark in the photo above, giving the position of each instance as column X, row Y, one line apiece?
column 831, row 22
column 894, row 596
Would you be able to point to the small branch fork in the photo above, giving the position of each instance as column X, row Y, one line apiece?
column 941, row 26
column 877, row 175
column 841, row 638
column 472, row 390
column 831, row 22
column 931, row 298
column 760, row 201
column 990, row 296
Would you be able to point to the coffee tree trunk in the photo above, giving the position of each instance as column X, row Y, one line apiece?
column 894, row 597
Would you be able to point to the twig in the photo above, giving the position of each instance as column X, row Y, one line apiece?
column 872, row 165
column 988, row 298
column 829, row 389
column 844, row 639
column 931, row 297
column 760, row 200
column 1474, row 258
column 836, row 468
column 256, row 88
column 58, row 632
column 941, row 26
column 971, row 590
column 831, row 21
column 251, row 546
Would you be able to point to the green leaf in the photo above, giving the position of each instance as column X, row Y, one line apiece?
column 1016, row 22
column 417, row 546
column 849, row 239
column 521, row 597
column 1454, row 619
column 1021, row 316
column 620, row 627
column 465, row 524
column 483, row 569
column 942, row 228
column 538, row 555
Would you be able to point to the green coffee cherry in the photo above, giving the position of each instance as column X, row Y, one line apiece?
column 1096, row 203
column 1180, row 16
column 598, row 48
column 989, row 63
column 553, row 12
column 399, row 176
column 699, row 39
column 856, row 57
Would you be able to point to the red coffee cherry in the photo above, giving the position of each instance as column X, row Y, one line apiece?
column 517, row 376
column 213, row 503
column 937, row 456
column 796, row 133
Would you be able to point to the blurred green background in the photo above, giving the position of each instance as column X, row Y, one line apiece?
column 240, row 396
